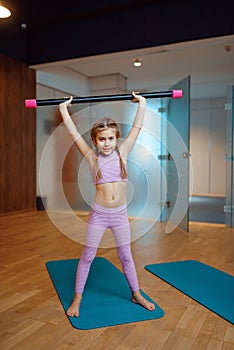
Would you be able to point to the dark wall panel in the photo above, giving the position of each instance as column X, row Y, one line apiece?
column 17, row 137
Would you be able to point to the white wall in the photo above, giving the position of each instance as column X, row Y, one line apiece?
column 208, row 146
column 72, row 83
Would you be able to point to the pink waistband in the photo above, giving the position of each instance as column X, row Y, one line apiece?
column 102, row 209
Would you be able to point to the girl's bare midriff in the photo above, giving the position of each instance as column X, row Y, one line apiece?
column 111, row 194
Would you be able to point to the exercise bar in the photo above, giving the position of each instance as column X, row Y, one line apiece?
column 88, row 99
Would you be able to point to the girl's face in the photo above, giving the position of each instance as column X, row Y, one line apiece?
column 106, row 141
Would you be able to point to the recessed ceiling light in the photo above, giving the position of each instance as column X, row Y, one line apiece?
column 137, row 62
column 4, row 12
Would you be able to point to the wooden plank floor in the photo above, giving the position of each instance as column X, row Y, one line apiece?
column 31, row 316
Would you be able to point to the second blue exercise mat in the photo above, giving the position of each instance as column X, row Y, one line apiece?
column 107, row 298
column 209, row 286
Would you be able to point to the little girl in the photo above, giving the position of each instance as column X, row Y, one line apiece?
column 109, row 210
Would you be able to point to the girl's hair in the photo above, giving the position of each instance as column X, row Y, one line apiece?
column 103, row 124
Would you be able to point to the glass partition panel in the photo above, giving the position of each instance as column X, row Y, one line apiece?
column 175, row 139
column 229, row 202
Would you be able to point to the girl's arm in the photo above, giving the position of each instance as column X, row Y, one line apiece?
column 129, row 142
column 82, row 145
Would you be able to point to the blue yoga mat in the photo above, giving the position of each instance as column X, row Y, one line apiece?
column 107, row 298
column 209, row 286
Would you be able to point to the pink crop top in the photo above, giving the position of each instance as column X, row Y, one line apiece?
column 110, row 169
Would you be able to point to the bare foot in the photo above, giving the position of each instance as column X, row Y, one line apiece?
column 74, row 308
column 137, row 298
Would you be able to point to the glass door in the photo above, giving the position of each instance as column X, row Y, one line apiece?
column 175, row 164
column 229, row 205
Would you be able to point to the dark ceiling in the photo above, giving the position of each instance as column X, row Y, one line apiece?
column 79, row 28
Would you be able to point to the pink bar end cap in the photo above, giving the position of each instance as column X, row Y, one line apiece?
column 31, row 103
column 177, row 93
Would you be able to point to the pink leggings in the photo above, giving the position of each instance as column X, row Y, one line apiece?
column 100, row 219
